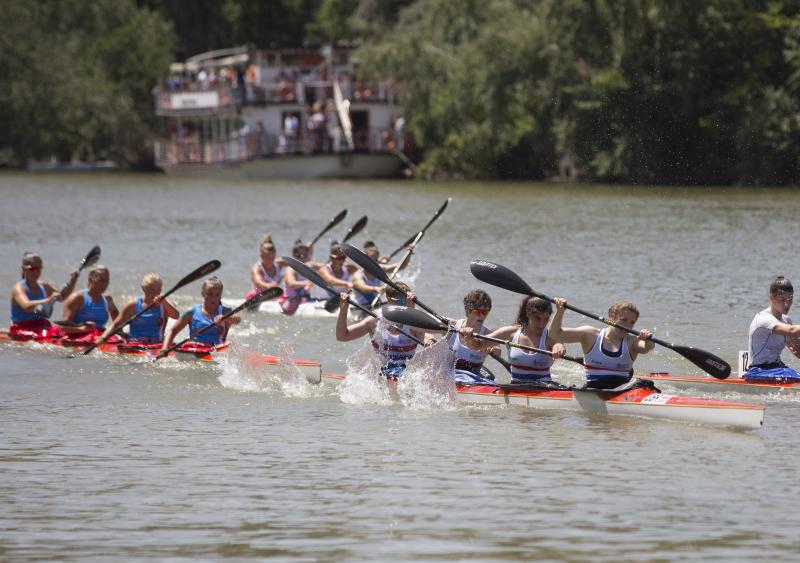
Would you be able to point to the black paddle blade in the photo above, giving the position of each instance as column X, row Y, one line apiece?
column 500, row 276
column 200, row 272
column 309, row 273
column 91, row 258
column 363, row 260
column 706, row 361
column 264, row 295
column 412, row 317
column 355, row 229
column 333, row 303
column 44, row 310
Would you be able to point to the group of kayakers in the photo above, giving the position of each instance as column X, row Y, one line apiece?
column 608, row 354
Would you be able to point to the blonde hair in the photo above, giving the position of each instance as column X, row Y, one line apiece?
column 31, row 258
column 617, row 308
column 96, row 271
column 150, row 279
column 266, row 238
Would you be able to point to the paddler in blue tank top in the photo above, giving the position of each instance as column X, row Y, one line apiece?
column 772, row 330
column 28, row 293
column 148, row 328
column 202, row 315
column 394, row 347
column 608, row 353
column 529, row 329
column 367, row 288
column 91, row 309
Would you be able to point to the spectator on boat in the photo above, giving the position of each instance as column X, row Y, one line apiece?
column 297, row 289
column 529, row 329
column 268, row 271
column 770, row 331
column 32, row 300
column 335, row 271
column 608, row 353
column 202, row 315
column 87, row 312
column 394, row 347
column 333, row 128
column 316, row 127
column 291, row 125
column 149, row 327
column 399, row 133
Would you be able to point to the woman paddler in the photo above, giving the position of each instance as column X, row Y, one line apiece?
column 149, row 327
column 28, row 294
column 365, row 287
column 470, row 353
column 529, row 329
column 336, row 272
column 89, row 311
column 770, row 331
column 297, row 289
column 267, row 272
column 202, row 315
column 608, row 353
column 394, row 347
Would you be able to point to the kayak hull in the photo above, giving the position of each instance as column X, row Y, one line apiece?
column 638, row 401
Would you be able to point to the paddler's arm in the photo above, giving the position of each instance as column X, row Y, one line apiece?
column 170, row 310
column 333, row 280
column 72, row 305
column 642, row 343
column 585, row 335
column 791, row 332
column 359, row 285
column 125, row 315
column 257, row 277
column 345, row 333
column 175, row 329
column 20, row 297
column 113, row 312
column 400, row 265
column 290, row 277
column 73, row 277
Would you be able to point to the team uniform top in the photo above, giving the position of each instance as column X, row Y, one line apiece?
column 766, row 346
column 529, row 366
column 18, row 314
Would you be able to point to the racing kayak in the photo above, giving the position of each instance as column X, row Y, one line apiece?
column 645, row 401
column 191, row 351
column 732, row 384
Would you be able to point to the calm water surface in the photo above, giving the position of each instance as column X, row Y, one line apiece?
column 105, row 458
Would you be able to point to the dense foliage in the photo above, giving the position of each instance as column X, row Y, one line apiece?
column 645, row 91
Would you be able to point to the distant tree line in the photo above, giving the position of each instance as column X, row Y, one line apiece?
column 641, row 91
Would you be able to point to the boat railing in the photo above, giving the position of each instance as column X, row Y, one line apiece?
column 192, row 99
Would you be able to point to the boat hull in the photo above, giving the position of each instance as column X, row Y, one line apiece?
column 732, row 384
column 638, row 401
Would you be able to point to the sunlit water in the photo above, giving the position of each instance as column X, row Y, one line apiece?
column 111, row 458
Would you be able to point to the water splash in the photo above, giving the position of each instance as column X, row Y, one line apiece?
column 364, row 384
column 428, row 381
column 255, row 371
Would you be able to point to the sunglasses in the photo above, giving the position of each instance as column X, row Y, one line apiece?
column 400, row 299
column 33, row 268
column 483, row 312
column 333, row 257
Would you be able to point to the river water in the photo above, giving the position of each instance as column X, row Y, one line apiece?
column 104, row 458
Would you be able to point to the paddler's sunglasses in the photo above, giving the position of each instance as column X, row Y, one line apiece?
column 483, row 312
column 398, row 299
column 33, row 268
column 335, row 257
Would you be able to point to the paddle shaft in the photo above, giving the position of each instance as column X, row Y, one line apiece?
column 331, row 224
column 425, row 228
column 203, row 270
column 90, row 259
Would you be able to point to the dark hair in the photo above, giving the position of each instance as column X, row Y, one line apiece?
column 531, row 305
column 477, row 299
column 299, row 250
column 393, row 293
column 780, row 283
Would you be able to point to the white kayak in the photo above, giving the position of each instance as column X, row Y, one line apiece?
column 635, row 401
column 711, row 384
column 308, row 309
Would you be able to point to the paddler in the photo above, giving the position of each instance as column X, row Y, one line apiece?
column 770, row 331
column 336, row 272
column 529, row 329
column 89, row 311
column 204, row 314
column 148, row 328
column 470, row 353
column 267, row 272
column 608, row 353
column 297, row 289
column 394, row 347
column 365, row 287
column 28, row 294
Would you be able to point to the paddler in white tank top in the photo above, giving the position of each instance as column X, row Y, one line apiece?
column 530, row 329
column 608, row 353
column 267, row 272
column 770, row 331
column 336, row 272
column 394, row 364
column 470, row 353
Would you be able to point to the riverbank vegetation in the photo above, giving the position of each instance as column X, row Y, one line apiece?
column 679, row 92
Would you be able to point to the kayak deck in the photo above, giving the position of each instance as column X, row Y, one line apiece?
column 732, row 384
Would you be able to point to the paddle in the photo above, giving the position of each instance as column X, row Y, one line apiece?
column 312, row 275
column 425, row 228
column 500, row 276
column 331, row 224
column 200, row 272
column 371, row 266
column 396, row 269
column 355, row 229
column 419, row 319
column 46, row 309
column 264, row 295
